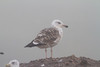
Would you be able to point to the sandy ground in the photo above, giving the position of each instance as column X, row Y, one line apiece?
column 70, row 61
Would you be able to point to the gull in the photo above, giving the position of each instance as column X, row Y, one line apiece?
column 49, row 37
column 13, row 63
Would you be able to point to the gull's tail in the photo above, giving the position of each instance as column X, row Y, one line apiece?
column 33, row 44
column 30, row 45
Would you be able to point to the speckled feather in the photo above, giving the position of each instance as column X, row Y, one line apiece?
column 48, row 37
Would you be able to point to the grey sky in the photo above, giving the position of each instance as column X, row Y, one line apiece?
column 21, row 20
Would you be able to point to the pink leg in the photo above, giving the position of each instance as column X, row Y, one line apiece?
column 51, row 52
column 46, row 52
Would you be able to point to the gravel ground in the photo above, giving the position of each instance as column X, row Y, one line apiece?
column 70, row 61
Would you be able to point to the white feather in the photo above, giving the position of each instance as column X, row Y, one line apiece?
column 35, row 43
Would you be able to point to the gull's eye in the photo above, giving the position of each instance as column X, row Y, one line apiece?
column 13, row 62
column 58, row 22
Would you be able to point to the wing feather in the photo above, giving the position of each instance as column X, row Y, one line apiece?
column 47, row 35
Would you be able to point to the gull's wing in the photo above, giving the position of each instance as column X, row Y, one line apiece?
column 46, row 36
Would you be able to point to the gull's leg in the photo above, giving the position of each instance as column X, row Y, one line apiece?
column 46, row 52
column 51, row 52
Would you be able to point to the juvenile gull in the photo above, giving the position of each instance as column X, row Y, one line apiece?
column 49, row 37
column 13, row 63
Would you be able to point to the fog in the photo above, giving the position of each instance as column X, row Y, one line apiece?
column 21, row 21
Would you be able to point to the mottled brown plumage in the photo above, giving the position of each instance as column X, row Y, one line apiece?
column 48, row 37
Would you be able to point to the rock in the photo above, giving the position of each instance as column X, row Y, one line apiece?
column 70, row 61
column 1, row 53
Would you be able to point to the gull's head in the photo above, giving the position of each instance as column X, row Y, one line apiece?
column 13, row 63
column 59, row 24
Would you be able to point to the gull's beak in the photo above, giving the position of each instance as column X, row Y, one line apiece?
column 65, row 26
column 8, row 65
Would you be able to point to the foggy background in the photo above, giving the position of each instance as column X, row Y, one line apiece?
column 21, row 20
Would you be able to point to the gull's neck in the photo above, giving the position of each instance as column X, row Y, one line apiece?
column 59, row 29
column 16, row 66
